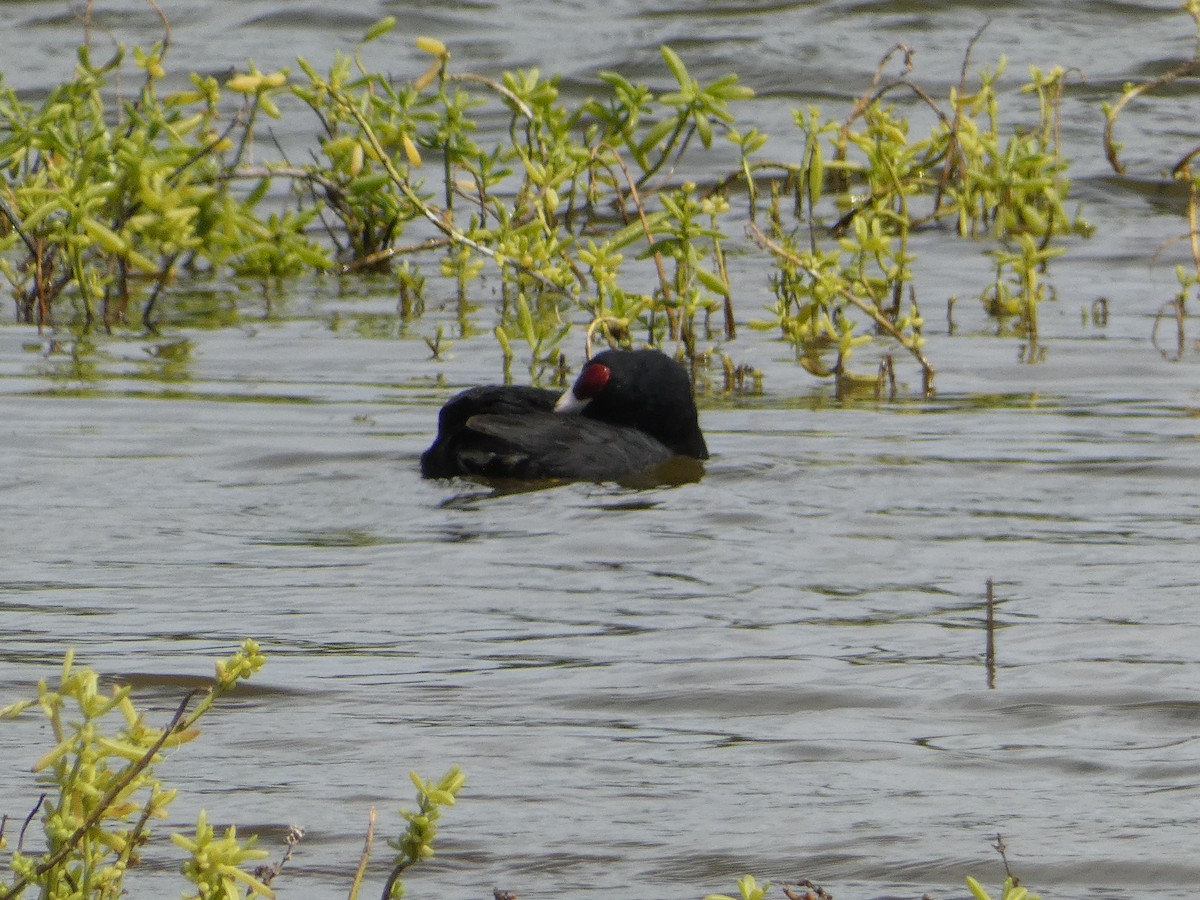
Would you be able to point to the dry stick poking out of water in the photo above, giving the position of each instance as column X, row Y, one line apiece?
column 990, row 653
column 267, row 874
column 1001, row 848
column 356, row 885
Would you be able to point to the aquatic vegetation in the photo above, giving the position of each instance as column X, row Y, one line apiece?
column 100, row 793
column 1183, row 172
column 750, row 889
column 591, row 214
column 1012, row 890
column 1010, row 187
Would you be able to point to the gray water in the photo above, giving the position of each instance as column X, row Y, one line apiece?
column 777, row 670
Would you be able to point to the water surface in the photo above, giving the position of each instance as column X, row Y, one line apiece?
column 776, row 670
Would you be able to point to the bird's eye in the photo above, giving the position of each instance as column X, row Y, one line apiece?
column 591, row 380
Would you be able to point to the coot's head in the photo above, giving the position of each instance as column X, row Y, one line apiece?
column 643, row 389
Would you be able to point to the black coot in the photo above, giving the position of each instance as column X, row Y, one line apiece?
column 628, row 412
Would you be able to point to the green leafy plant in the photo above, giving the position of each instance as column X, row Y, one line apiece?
column 107, row 201
column 1012, row 890
column 1183, row 172
column 748, row 889
column 578, row 208
column 416, row 844
column 101, row 794
column 101, row 790
column 878, row 185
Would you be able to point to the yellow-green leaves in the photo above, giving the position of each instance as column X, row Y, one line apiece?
column 416, row 843
column 410, row 150
column 256, row 82
column 748, row 889
column 675, row 64
column 441, row 56
column 239, row 667
column 379, row 29
column 433, row 47
column 112, row 202
column 101, row 791
column 15, row 709
column 151, row 62
column 259, row 87
column 700, row 105
column 1012, row 891
column 105, row 237
column 215, row 863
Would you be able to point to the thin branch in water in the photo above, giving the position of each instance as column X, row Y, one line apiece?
column 990, row 649
column 28, row 819
column 15, row 221
column 356, row 884
column 1173, row 307
column 1111, row 153
column 267, row 874
column 166, row 23
column 886, row 379
column 1000, row 848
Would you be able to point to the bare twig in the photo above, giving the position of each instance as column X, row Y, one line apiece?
column 1183, row 172
column 373, row 259
column 356, row 884
column 600, row 322
column 496, row 86
column 1110, row 119
column 886, row 379
column 953, row 156
column 990, row 649
column 166, row 23
column 28, row 819
column 1001, row 848
column 664, row 283
column 805, row 890
column 267, row 874
column 1176, row 309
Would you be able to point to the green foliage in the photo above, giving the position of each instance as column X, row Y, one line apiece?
column 214, row 864
column 748, row 889
column 109, row 203
column 101, row 793
column 1012, row 890
column 416, row 844
column 106, row 201
column 1183, row 172
column 866, row 177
